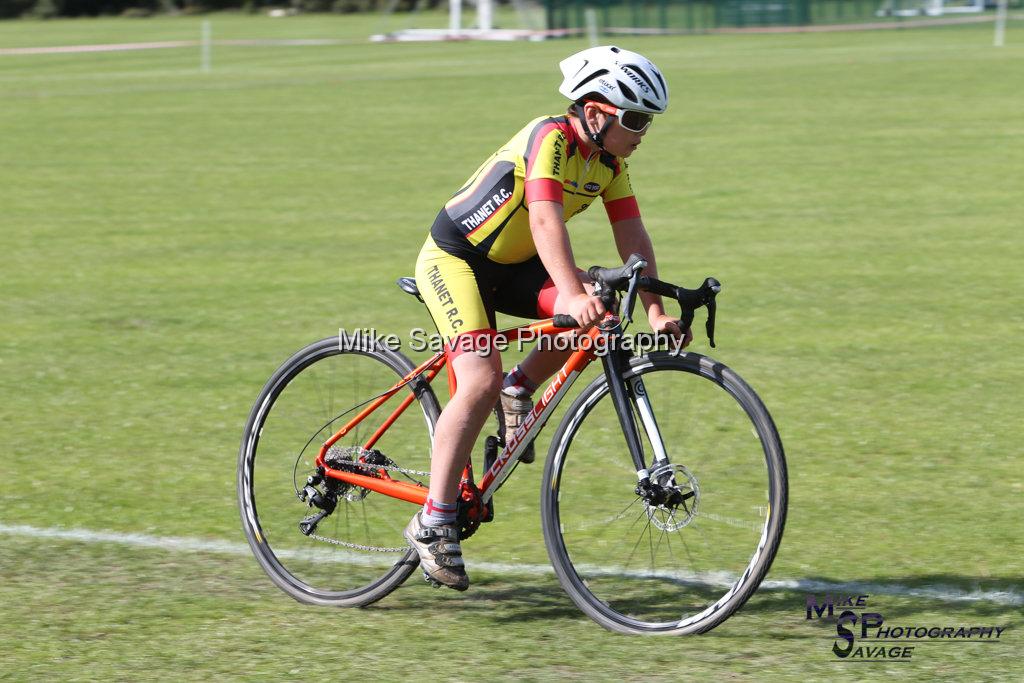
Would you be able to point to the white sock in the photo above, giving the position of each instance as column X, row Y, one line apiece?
column 436, row 514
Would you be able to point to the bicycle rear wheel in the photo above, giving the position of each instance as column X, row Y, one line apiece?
column 682, row 563
column 357, row 555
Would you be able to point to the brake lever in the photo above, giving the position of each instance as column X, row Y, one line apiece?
column 713, row 287
column 710, row 324
column 691, row 300
column 634, row 265
column 631, row 296
column 685, row 320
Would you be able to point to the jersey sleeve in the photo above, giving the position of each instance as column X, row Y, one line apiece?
column 545, row 165
column 619, row 201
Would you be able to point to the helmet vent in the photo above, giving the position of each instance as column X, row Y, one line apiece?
column 630, row 95
column 660, row 80
column 640, row 72
column 615, row 49
column 650, row 105
column 599, row 72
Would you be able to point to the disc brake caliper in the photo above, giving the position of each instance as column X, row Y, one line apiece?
column 671, row 495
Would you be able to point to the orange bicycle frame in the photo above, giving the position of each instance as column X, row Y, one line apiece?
column 381, row 482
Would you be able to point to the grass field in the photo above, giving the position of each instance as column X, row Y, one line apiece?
column 170, row 237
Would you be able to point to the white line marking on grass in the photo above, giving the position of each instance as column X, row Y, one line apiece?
column 937, row 592
column 168, row 44
column 194, row 545
column 110, row 47
column 199, row 545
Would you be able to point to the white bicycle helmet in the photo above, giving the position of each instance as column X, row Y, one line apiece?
column 625, row 79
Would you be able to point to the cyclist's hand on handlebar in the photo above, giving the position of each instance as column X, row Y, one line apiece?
column 586, row 309
column 668, row 325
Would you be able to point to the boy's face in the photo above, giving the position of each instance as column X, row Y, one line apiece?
column 621, row 142
column 617, row 140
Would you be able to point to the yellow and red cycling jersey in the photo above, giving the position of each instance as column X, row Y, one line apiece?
column 490, row 217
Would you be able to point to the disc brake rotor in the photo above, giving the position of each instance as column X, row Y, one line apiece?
column 678, row 499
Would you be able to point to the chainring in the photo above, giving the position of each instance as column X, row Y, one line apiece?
column 471, row 511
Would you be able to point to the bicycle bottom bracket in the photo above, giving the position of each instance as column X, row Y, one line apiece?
column 671, row 496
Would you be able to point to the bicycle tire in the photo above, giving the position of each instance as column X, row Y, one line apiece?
column 601, row 589
column 282, row 565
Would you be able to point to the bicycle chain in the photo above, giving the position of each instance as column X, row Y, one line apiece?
column 356, row 546
column 390, row 468
column 372, row 548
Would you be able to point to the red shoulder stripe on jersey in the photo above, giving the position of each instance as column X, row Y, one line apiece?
column 543, row 190
column 540, row 132
column 622, row 209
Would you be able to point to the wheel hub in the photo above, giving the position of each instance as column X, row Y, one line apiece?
column 354, row 459
column 671, row 497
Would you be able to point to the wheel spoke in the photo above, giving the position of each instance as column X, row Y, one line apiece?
column 643, row 533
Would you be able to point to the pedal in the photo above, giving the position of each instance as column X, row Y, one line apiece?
column 488, row 512
column 433, row 582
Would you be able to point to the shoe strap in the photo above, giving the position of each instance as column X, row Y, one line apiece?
column 445, row 532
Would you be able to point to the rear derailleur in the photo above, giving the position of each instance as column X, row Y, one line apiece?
column 325, row 501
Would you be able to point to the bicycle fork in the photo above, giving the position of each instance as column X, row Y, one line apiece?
column 625, row 395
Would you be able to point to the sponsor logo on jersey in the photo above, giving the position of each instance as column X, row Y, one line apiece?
column 591, row 187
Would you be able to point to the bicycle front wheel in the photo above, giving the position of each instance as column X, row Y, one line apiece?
column 357, row 554
column 684, row 560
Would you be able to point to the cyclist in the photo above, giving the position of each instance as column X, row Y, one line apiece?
column 500, row 244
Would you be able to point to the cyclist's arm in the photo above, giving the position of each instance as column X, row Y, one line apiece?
column 631, row 238
column 543, row 178
column 552, row 240
column 543, row 170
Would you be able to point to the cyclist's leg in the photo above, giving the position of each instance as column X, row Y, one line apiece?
column 479, row 380
column 526, row 290
column 433, row 532
column 450, row 289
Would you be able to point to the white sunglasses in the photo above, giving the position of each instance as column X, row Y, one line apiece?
column 630, row 119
